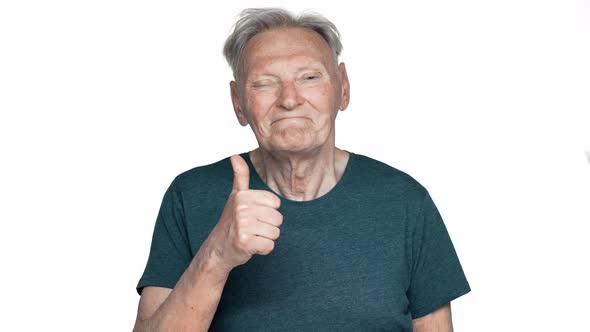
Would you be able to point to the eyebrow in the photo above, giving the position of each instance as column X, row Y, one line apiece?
column 311, row 64
column 314, row 65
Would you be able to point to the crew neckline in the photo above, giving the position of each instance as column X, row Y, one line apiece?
column 333, row 192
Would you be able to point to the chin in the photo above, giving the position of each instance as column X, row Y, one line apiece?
column 296, row 148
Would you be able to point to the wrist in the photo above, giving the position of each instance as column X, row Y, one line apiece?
column 211, row 263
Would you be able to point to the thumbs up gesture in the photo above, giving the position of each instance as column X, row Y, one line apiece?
column 249, row 223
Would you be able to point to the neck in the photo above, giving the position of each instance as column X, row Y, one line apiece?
column 300, row 177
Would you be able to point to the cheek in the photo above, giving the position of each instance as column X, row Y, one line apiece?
column 323, row 99
column 260, row 103
column 259, row 106
column 319, row 97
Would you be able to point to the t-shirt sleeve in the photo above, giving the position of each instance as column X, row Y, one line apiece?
column 170, row 252
column 436, row 275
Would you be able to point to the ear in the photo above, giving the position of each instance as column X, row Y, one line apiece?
column 345, row 87
column 236, row 103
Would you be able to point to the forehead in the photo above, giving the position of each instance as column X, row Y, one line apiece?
column 296, row 44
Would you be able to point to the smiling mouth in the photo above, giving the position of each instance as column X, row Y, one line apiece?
column 295, row 117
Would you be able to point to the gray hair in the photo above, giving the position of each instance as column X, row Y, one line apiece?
column 256, row 20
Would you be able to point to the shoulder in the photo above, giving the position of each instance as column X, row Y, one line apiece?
column 204, row 178
column 396, row 183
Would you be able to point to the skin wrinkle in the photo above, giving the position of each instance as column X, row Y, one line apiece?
column 309, row 165
column 296, row 77
column 299, row 173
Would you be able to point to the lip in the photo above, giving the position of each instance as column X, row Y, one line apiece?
column 291, row 117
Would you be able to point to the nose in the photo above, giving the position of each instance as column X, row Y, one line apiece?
column 289, row 96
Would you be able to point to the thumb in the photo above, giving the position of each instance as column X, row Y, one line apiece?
column 241, row 173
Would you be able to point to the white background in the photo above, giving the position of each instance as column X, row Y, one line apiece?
column 102, row 103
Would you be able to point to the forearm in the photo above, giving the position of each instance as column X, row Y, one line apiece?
column 193, row 302
column 438, row 321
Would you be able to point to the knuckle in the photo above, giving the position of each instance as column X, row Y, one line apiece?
column 241, row 206
column 241, row 221
column 243, row 239
column 240, row 216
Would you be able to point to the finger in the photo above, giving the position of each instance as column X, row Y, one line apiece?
column 261, row 245
column 241, row 173
column 264, row 197
column 270, row 216
column 266, row 230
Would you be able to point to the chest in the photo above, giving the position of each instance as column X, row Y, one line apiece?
column 347, row 270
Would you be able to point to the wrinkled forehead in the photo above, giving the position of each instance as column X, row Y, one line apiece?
column 285, row 44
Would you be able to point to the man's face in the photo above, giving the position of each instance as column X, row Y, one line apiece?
column 290, row 90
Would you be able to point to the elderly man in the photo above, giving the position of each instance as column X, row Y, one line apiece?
column 296, row 235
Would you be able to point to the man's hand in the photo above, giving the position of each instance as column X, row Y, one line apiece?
column 439, row 320
column 249, row 223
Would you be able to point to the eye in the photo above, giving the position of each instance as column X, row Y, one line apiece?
column 263, row 83
column 310, row 77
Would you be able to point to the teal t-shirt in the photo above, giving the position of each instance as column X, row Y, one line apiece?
column 371, row 254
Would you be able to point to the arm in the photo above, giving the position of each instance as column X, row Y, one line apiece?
column 239, row 234
column 191, row 305
column 439, row 320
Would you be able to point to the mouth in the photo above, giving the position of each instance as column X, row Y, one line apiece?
column 291, row 118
